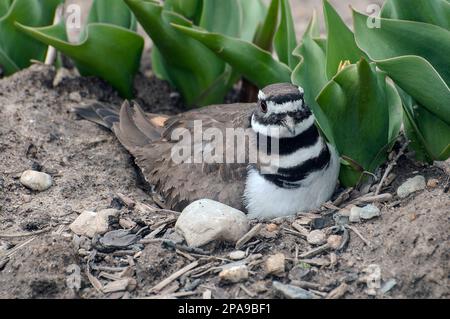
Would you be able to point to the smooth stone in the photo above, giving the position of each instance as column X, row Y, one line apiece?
column 412, row 185
column 205, row 220
column 291, row 291
column 234, row 274
column 36, row 181
column 316, row 237
column 275, row 265
column 90, row 224
column 334, row 241
column 355, row 215
column 369, row 212
column 237, row 255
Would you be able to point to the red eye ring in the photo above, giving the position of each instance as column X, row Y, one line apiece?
column 263, row 106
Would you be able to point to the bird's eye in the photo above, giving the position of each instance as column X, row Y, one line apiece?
column 263, row 106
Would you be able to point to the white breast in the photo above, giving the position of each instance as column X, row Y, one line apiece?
column 264, row 200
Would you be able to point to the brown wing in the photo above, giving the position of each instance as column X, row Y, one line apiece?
column 162, row 150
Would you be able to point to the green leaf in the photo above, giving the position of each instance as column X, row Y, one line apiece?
column 112, row 12
column 190, row 9
column 398, row 38
column 190, row 66
column 285, row 38
column 255, row 64
column 214, row 20
column 356, row 102
column 394, row 102
column 266, row 33
column 253, row 13
column 429, row 136
column 435, row 12
column 310, row 73
column 341, row 45
column 97, row 54
column 17, row 48
column 415, row 56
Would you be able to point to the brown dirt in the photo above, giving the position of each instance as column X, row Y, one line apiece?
column 89, row 167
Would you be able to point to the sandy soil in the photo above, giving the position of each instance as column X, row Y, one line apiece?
column 409, row 242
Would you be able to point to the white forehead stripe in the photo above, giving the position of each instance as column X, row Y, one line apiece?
column 281, row 131
column 291, row 106
column 301, row 90
column 261, row 95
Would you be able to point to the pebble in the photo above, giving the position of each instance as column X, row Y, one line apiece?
column 234, row 274
column 205, row 220
column 432, row 183
column 75, row 97
column 354, row 215
column 369, row 212
column 411, row 185
column 334, row 241
column 388, row 285
column 36, row 181
column 316, row 237
column 291, row 291
column 90, row 223
column 275, row 265
column 237, row 255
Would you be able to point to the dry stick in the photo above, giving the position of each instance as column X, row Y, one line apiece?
column 174, row 276
column 51, row 52
column 249, row 235
column 390, row 167
column 25, row 234
column 175, row 295
column 315, row 251
column 338, row 292
column 359, row 235
column 372, row 199
column 11, row 252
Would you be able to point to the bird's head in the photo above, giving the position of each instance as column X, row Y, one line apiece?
column 281, row 111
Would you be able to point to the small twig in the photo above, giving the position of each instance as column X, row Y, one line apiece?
column 390, row 167
column 359, row 235
column 247, row 291
column 249, row 235
column 12, row 251
column 338, row 292
column 25, row 234
column 176, row 295
column 174, row 276
column 314, row 252
column 293, row 232
column 372, row 199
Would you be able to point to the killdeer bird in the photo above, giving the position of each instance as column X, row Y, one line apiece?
column 279, row 126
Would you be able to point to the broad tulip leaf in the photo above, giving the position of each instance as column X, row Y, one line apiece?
column 415, row 56
column 253, row 16
column 310, row 73
column 341, row 45
column 435, row 12
column 97, row 54
column 112, row 12
column 17, row 48
column 429, row 136
column 191, row 9
column 214, row 20
column 255, row 64
column 356, row 102
column 285, row 38
column 265, row 35
column 190, row 66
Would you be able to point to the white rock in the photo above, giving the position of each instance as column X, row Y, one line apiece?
column 234, row 274
column 75, row 97
column 205, row 220
column 90, row 223
column 354, row 215
column 369, row 212
column 275, row 264
column 36, row 181
column 237, row 255
column 316, row 237
column 411, row 185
